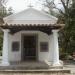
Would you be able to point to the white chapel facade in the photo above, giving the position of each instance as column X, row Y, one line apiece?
column 30, row 35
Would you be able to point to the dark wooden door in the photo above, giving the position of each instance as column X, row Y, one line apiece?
column 29, row 50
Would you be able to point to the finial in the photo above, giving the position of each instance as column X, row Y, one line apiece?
column 30, row 5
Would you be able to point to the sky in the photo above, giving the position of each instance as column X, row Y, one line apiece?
column 19, row 5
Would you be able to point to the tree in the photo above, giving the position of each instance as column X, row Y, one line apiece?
column 67, row 34
column 10, row 11
column 3, row 13
column 72, row 28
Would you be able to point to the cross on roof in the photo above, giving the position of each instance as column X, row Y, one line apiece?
column 30, row 4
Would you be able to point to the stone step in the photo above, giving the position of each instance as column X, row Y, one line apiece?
column 35, row 72
column 28, row 67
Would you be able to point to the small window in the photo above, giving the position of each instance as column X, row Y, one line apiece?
column 44, row 46
column 15, row 46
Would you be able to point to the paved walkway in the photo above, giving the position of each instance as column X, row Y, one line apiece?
column 70, row 65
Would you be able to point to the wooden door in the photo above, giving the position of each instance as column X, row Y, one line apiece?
column 29, row 48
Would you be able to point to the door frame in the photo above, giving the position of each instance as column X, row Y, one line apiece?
column 22, row 46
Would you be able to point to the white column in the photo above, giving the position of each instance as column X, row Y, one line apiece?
column 56, row 61
column 5, row 60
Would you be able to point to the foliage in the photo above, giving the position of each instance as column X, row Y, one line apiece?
column 1, row 41
column 3, row 13
column 67, row 34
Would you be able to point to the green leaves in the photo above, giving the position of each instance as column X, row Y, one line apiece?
column 68, row 33
column 1, row 40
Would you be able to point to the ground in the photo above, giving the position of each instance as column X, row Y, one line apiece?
column 70, row 64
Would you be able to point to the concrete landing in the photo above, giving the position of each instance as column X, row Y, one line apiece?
column 28, row 66
column 32, row 68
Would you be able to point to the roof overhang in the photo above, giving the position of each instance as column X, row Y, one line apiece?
column 46, row 28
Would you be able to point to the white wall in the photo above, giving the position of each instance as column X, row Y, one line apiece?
column 42, row 37
column 14, row 56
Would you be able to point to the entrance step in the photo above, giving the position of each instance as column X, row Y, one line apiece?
column 29, row 66
column 35, row 72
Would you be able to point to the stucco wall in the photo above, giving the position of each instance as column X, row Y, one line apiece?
column 42, row 37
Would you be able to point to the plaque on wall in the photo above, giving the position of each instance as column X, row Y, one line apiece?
column 15, row 46
column 44, row 46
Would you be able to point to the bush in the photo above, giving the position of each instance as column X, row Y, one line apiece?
column 65, row 56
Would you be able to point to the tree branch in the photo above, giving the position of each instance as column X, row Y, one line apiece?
column 60, row 11
column 50, row 4
column 63, row 3
column 67, row 3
